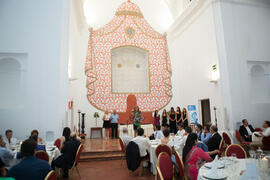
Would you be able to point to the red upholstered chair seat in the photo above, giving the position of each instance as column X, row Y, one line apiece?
column 51, row 176
column 180, row 166
column 42, row 155
column 159, row 175
column 163, row 148
column 258, row 130
column 221, row 147
column 236, row 149
column 165, row 165
column 226, row 138
column 123, row 148
column 57, row 143
column 239, row 138
column 266, row 143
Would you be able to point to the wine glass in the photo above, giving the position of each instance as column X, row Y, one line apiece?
column 234, row 157
column 252, row 154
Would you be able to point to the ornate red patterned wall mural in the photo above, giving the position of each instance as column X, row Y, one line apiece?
column 127, row 28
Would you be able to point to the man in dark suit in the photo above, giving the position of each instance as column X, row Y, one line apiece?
column 30, row 167
column 66, row 160
column 246, row 131
column 214, row 141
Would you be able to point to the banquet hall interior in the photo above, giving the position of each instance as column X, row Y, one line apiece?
column 135, row 89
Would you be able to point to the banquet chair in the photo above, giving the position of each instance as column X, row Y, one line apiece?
column 77, row 157
column 163, row 148
column 239, row 138
column 237, row 150
column 51, row 175
column 165, row 165
column 57, row 143
column 158, row 175
column 226, row 138
column 266, row 143
column 258, row 130
column 123, row 149
column 221, row 147
column 180, row 166
column 42, row 155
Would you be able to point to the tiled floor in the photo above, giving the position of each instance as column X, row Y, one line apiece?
column 93, row 145
column 112, row 170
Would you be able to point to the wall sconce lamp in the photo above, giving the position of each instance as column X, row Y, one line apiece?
column 214, row 74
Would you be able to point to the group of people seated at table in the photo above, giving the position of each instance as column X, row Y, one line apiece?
column 249, row 134
column 192, row 151
column 29, row 166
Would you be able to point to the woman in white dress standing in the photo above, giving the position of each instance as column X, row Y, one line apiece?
column 106, row 124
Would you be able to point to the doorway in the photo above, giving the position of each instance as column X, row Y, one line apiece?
column 206, row 113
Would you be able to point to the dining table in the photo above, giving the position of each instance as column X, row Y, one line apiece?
column 236, row 169
column 51, row 150
column 173, row 143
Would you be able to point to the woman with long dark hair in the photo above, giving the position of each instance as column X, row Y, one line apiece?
column 184, row 117
column 192, row 156
column 178, row 115
column 172, row 121
column 156, row 118
column 164, row 118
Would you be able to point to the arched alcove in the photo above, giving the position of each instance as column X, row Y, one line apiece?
column 259, row 83
column 10, row 80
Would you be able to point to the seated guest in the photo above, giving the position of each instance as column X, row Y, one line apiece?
column 192, row 156
column 39, row 147
column 181, row 130
column 66, row 137
column 2, row 169
column 68, row 153
column 36, row 133
column 206, row 135
column 10, row 141
column 257, row 136
column 188, row 131
column 246, row 131
column 166, row 138
column 125, row 137
column 6, row 155
column 30, row 167
column 143, row 143
column 158, row 134
column 198, row 129
column 266, row 129
column 214, row 141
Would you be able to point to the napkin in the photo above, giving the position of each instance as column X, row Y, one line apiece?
column 250, row 173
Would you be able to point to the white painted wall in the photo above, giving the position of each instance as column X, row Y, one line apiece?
column 244, row 37
column 193, row 51
column 98, row 15
column 38, row 30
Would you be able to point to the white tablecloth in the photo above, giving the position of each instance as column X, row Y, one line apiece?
column 148, row 129
column 233, row 167
column 153, row 158
column 52, row 151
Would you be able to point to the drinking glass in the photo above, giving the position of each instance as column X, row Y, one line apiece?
column 234, row 157
column 252, row 154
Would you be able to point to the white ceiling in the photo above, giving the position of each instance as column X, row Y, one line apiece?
column 160, row 14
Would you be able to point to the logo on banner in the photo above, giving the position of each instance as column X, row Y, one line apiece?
column 193, row 114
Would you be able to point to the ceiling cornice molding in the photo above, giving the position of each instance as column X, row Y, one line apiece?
column 77, row 6
column 183, row 20
column 197, row 6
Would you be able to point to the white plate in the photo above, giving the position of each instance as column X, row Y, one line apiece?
column 219, row 165
column 212, row 177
